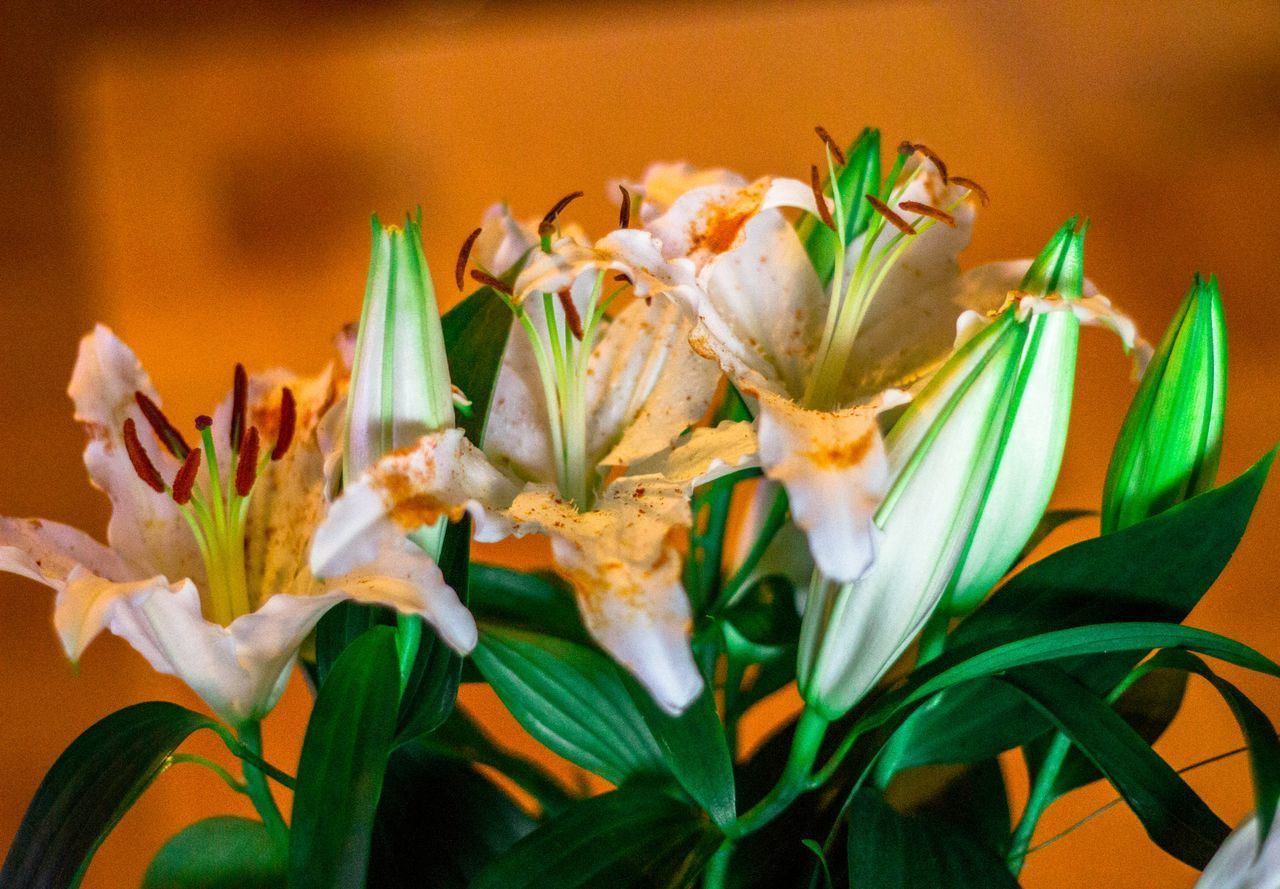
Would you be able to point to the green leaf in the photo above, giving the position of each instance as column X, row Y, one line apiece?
column 695, row 749
column 1155, row 570
column 971, row 797
column 954, row 668
column 88, row 790
column 889, row 850
column 1259, row 733
column 475, row 336
column 1051, row 521
column 572, row 699
column 1148, row 705
column 344, row 756
column 524, row 600
column 225, row 852
column 461, row 739
column 1175, row 817
column 631, row 838
column 439, row 822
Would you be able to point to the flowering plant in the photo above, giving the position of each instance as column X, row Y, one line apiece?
column 775, row 435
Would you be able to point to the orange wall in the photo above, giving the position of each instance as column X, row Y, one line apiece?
column 210, row 189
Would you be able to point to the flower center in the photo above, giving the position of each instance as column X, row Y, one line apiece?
column 853, row 289
column 217, row 511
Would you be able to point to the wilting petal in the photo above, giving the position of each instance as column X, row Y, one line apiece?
column 834, row 468
column 445, row 475
column 626, row 575
column 663, row 183
column 146, row 528
column 645, row 386
column 1240, row 863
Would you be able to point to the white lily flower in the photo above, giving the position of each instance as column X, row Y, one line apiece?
column 206, row 575
column 823, row 361
column 579, row 397
column 1245, row 860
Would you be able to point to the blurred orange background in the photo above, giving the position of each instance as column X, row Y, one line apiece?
column 199, row 177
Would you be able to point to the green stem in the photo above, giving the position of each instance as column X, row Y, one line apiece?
column 195, row 759
column 773, row 521
column 1038, row 800
column 717, row 873
column 795, row 779
column 256, row 785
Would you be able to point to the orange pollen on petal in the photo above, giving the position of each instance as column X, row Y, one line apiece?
column 844, row 454
column 717, row 227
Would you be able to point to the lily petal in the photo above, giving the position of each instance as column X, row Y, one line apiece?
column 503, row 241
column 645, row 386
column 443, row 475
column 836, row 472
column 146, row 528
column 663, row 183
column 1244, row 861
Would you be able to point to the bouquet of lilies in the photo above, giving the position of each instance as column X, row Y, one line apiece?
column 774, row 435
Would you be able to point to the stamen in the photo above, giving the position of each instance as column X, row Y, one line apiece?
column 170, row 437
column 549, row 221
column 490, row 281
column 819, row 198
column 571, row 314
column 624, row 213
column 184, row 482
column 463, row 256
column 288, row 423
column 831, row 144
column 893, row 218
column 974, row 187
column 203, row 422
column 624, row 279
column 142, row 464
column 930, row 154
column 239, row 403
column 247, row 468
column 932, row 212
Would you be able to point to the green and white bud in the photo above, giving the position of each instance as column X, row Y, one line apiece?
column 400, row 387
column 976, row 452
column 1171, row 438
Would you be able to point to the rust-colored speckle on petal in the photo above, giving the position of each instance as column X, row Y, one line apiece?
column 717, row 227
column 842, row 455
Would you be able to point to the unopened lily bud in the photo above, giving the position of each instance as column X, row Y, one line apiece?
column 1169, row 443
column 977, row 449
column 400, row 386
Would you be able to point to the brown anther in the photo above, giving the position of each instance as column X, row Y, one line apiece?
column 463, row 255
column 831, row 144
column 571, row 316
column 819, row 198
column 893, row 218
column 170, row 437
column 184, row 482
column 239, row 404
column 973, row 187
column 548, row 221
column 203, row 422
column 142, row 464
column 624, row 212
column 927, row 152
column 489, row 280
column 624, row 279
column 288, row 423
column 925, row 210
column 247, row 468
